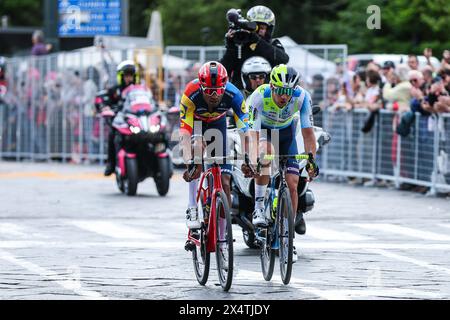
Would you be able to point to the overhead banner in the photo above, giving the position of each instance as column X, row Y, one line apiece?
column 88, row 18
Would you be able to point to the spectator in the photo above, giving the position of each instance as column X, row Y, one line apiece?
column 413, row 62
column 397, row 91
column 437, row 99
column 445, row 74
column 372, row 95
column 317, row 89
column 445, row 62
column 39, row 47
column 386, row 71
column 427, row 73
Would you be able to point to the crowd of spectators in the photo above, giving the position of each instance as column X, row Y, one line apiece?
column 407, row 89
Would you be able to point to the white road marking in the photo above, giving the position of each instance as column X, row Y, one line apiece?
column 69, row 284
column 299, row 284
column 411, row 260
column 300, row 244
column 17, row 231
column 445, row 225
column 410, row 232
column 328, row 234
column 112, row 229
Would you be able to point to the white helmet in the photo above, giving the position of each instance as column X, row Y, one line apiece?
column 254, row 65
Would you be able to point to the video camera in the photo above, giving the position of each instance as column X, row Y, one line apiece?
column 242, row 26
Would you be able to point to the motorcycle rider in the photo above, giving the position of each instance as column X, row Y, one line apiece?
column 259, row 43
column 207, row 99
column 274, row 108
column 255, row 72
column 126, row 75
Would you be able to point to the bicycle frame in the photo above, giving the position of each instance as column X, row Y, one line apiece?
column 210, row 220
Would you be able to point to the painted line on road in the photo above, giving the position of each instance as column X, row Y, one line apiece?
column 180, row 245
column 370, row 292
column 444, row 225
column 410, row 232
column 112, row 229
column 299, row 284
column 410, row 260
column 69, row 284
column 53, row 175
column 328, row 234
column 18, row 231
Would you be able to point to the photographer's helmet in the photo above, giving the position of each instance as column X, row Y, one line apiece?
column 213, row 77
column 262, row 14
column 283, row 76
column 254, row 65
column 127, row 67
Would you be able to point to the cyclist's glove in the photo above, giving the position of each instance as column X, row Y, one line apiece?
column 312, row 167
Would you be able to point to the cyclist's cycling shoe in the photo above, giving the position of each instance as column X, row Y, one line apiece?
column 109, row 170
column 259, row 218
column 300, row 225
column 294, row 255
column 192, row 221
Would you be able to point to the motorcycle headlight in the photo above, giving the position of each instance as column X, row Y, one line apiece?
column 154, row 128
column 135, row 130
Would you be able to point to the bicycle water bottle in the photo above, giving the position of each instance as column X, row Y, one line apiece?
column 274, row 207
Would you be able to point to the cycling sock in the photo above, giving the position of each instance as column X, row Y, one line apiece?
column 193, row 193
column 260, row 192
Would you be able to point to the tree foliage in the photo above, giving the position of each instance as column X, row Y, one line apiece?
column 22, row 12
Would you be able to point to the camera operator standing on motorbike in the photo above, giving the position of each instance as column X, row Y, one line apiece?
column 126, row 76
column 246, row 39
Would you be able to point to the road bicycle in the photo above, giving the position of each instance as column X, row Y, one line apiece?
column 215, row 233
column 278, row 235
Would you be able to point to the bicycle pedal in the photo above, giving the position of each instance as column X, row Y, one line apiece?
column 189, row 245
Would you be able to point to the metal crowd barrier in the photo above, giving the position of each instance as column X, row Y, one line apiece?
column 420, row 158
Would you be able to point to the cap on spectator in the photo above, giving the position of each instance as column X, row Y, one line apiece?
column 388, row 64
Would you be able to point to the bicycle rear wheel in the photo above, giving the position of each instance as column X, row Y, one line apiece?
column 285, row 225
column 224, row 241
column 200, row 255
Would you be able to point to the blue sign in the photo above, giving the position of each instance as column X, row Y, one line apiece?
column 88, row 18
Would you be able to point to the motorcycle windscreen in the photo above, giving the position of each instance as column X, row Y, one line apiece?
column 139, row 100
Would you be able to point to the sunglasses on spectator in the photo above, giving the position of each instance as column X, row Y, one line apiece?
column 413, row 80
column 254, row 76
column 280, row 91
column 213, row 90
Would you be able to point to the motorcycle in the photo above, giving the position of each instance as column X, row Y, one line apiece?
column 142, row 142
column 243, row 189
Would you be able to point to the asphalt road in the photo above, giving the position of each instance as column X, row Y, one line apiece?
column 67, row 233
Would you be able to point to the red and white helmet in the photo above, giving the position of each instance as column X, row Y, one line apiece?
column 213, row 77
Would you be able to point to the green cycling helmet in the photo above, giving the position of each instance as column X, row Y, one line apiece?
column 283, row 76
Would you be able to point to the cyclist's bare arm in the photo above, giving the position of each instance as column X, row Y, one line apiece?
column 310, row 140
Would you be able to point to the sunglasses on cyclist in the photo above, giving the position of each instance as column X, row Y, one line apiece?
column 256, row 76
column 213, row 90
column 280, row 91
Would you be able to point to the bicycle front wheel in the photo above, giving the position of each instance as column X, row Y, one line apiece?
column 200, row 255
column 267, row 254
column 224, row 241
column 285, row 225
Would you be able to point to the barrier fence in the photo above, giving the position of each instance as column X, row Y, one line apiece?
column 48, row 113
column 420, row 158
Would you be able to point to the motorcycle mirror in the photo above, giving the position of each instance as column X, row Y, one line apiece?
column 316, row 109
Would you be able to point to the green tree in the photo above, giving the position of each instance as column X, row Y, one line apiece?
column 27, row 13
column 184, row 20
column 407, row 26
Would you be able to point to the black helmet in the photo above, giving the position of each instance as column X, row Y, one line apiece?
column 126, row 67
